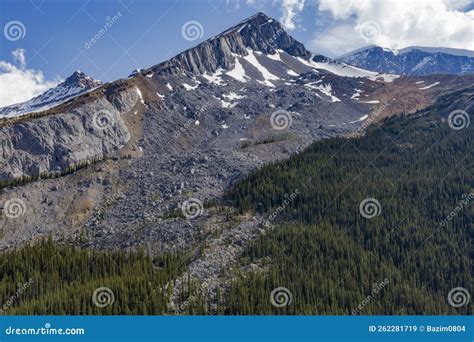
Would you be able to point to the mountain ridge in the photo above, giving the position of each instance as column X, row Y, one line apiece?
column 449, row 51
column 258, row 32
column 418, row 61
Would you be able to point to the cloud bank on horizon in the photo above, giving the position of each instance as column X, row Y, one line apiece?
column 17, row 83
column 389, row 23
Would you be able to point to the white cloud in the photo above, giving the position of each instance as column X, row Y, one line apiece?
column 290, row 9
column 397, row 24
column 19, row 84
column 19, row 57
column 337, row 41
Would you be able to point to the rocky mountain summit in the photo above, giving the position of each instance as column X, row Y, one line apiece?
column 412, row 60
column 249, row 42
column 74, row 85
column 259, row 33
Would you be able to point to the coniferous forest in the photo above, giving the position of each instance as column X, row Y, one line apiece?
column 63, row 279
column 326, row 248
column 330, row 257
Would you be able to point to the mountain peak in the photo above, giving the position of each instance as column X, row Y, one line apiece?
column 259, row 33
column 265, row 34
column 257, row 17
column 74, row 85
column 80, row 79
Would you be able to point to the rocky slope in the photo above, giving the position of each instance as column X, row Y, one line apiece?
column 412, row 60
column 164, row 144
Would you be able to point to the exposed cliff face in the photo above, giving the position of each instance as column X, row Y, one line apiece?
column 258, row 33
column 53, row 143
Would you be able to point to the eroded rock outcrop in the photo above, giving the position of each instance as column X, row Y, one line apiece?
column 52, row 143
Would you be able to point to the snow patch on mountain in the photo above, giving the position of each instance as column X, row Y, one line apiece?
column 275, row 56
column 140, row 96
column 326, row 89
column 346, row 70
column 190, row 87
column 370, row 102
column 342, row 69
column 356, row 95
column 267, row 75
column 362, row 118
column 216, row 77
column 238, row 72
column 233, row 96
column 291, row 72
column 430, row 86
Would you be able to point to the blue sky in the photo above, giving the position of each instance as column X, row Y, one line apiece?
column 141, row 33
column 146, row 33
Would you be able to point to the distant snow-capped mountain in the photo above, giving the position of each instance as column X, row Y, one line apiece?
column 74, row 85
column 413, row 60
